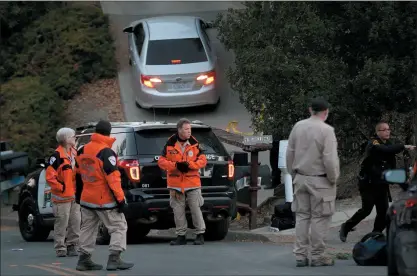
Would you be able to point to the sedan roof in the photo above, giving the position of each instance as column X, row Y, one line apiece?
column 172, row 27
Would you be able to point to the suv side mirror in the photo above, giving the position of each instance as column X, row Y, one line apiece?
column 209, row 24
column 398, row 176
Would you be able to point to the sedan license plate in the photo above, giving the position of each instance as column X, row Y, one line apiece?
column 179, row 86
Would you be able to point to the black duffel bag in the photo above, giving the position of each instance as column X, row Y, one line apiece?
column 371, row 250
column 283, row 218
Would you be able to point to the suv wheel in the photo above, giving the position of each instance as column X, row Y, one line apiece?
column 30, row 225
column 136, row 232
column 217, row 230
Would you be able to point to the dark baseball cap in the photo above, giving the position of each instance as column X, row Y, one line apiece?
column 319, row 104
column 103, row 127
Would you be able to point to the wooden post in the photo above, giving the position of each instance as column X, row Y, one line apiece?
column 253, row 189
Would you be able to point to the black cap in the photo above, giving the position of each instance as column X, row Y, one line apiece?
column 103, row 127
column 319, row 104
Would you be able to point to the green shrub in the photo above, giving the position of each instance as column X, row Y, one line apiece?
column 31, row 115
column 67, row 47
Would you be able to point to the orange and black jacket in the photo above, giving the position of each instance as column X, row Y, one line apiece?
column 97, row 174
column 60, row 176
column 175, row 151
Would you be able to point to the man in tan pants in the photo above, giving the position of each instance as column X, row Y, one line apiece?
column 60, row 177
column 313, row 161
column 182, row 158
column 101, row 197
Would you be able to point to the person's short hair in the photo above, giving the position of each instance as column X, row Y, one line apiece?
column 182, row 122
column 63, row 134
column 319, row 104
column 103, row 127
column 381, row 122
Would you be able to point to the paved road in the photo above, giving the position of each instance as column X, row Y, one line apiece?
column 122, row 13
column 155, row 257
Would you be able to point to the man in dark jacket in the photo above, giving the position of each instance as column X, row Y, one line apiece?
column 379, row 156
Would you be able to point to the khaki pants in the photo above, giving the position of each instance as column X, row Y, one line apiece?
column 194, row 200
column 314, row 205
column 66, row 225
column 115, row 223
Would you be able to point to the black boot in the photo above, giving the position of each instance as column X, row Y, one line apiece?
column 72, row 251
column 343, row 232
column 199, row 239
column 180, row 240
column 115, row 262
column 85, row 263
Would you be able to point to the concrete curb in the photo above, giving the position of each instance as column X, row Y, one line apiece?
column 264, row 234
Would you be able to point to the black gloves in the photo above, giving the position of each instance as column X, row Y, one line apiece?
column 182, row 166
column 122, row 206
column 63, row 185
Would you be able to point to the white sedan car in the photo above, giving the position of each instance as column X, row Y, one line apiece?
column 172, row 61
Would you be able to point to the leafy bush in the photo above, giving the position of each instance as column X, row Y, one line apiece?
column 31, row 113
column 46, row 57
column 15, row 16
column 67, row 47
column 361, row 56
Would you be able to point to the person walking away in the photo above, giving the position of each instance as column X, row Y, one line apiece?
column 182, row 158
column 374, row 191
column 101, row 197
column 60, row 177
column 313, row 161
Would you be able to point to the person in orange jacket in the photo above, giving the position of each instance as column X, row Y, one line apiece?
column 100, row 193
column 182, row 158
column 60, row 177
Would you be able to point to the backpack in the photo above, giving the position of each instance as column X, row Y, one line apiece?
column 371, row 250
column 283, row 218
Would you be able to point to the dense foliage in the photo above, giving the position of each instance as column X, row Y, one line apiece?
column 46, row 57
column 361, row 56
column 37, row 121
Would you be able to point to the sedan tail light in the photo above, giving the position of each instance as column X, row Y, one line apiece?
column 149, row 81
column 131, row 166
column 207, row 78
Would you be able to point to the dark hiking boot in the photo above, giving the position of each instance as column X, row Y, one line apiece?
column 71, row 251
column 61, row 253
column 343, row 232
column 115, row 262
column 302, row 262
column 180, row 240
column 85, row 263
column 323, row 261
column 199, row 239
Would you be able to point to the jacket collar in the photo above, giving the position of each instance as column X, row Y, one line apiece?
column 63, row 152
column 98, row 138
column 174, row 139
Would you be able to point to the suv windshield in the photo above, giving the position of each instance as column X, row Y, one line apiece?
column 152, row 141
column 175, row 51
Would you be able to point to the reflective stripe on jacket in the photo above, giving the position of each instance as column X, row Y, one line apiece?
column 175, row 152
column 98, row 177
column 60, row 175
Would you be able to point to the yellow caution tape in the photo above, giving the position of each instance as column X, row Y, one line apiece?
column 232, row 127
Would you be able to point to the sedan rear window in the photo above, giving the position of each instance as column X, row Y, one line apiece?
column 152, row 141
column 175, row 51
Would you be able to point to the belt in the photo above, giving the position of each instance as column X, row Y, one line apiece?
column 317, row 175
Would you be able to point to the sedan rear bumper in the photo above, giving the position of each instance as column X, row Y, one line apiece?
column 150, row 98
